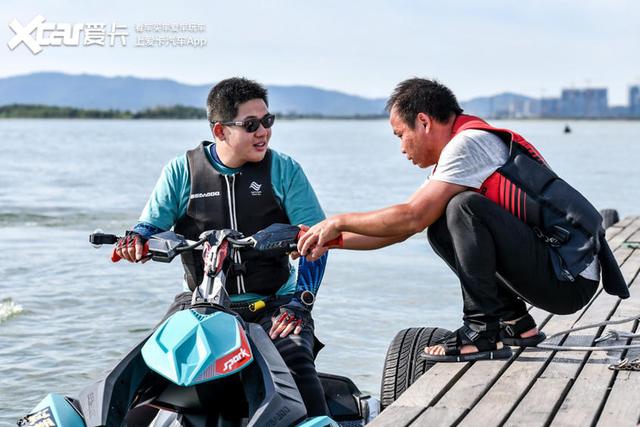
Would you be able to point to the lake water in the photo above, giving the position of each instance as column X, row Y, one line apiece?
column 67, row 314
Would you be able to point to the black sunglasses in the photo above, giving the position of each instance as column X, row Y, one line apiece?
column 252, row 125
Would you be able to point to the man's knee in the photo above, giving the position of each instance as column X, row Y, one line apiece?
column 464, row 202
column 294, row 350
column 464, row 205
column 439, row 233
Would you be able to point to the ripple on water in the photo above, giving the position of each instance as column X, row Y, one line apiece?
column 9, row 309
column 57, row 217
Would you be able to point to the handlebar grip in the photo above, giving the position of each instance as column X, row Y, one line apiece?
column 115, row 257
column 99, row 238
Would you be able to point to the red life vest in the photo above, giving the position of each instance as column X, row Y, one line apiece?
column 497, row 187
column 558, row 214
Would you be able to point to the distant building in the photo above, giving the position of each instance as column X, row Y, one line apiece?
column 619, row 112
column 550, row 107
column 584, row 103
column 634, row 101
column 590, row 103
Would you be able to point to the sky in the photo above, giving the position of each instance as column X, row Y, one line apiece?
column 477, row 48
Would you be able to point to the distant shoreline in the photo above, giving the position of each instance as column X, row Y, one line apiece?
column 181, row 112
column 176, row 112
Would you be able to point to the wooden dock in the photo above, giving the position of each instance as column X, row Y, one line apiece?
column 541, row 387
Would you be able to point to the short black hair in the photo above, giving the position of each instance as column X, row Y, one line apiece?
column 225, row 97
column 416, row 95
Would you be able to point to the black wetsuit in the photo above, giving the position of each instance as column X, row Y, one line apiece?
column 501, row 263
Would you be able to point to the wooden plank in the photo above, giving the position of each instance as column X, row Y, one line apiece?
column 396, row 415
column 475, row 384
column 519, row 377
column 432, row 384
column 548, row 391
column 622, row 408
column 626, row 220
column 612, row 231
column 619, row 226
column 479, row 380
column 583, row 402
column 498, row 402
column 440, row 398
column 634, row 238
column 623, row 235
column 462, row 395
column 559, row 375
column 541, row 400
column 427, row 389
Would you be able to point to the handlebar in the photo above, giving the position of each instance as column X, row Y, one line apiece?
column 163, row 247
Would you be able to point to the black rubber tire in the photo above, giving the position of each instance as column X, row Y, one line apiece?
column 609, row 217
column 402, row 365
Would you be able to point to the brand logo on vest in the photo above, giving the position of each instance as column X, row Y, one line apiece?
column 255, row 189
column 202, row 195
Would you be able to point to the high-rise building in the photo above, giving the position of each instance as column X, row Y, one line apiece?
column 584, row 103
column 549, row 107
column 634, row 101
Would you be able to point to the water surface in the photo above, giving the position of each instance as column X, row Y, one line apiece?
column 67, row 314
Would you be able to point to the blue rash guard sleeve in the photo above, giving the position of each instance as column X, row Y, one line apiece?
column 146, row 230
column 170, row 197
column 310, row 274
column 292, row 187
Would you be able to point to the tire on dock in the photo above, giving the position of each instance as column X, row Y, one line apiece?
column 403, row 364
column 609, row 217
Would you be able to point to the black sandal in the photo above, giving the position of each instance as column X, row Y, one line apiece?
column 486, row 343
column 510, row 333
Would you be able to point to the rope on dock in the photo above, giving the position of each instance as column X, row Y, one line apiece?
column 609, row 335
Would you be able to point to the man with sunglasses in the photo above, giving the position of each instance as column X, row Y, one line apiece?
column 237, row 182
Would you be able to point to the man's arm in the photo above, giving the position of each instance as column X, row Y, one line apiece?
column 299, row 201
column 166, row 204
column 303, row 208
column 422, row 209
column 361, row 242
column 170, row 197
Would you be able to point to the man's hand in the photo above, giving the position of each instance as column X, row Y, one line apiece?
column 131, row 247
column 311, row 244
column 296, row 254
column 291, row 318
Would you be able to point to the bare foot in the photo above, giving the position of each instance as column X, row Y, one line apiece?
column 438, row 350
column 530, row 333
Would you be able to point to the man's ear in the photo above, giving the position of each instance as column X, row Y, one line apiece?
column 218, row 131
column 424, row 121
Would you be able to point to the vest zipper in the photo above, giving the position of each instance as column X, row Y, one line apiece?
column 235, row 219
column 231, row 195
